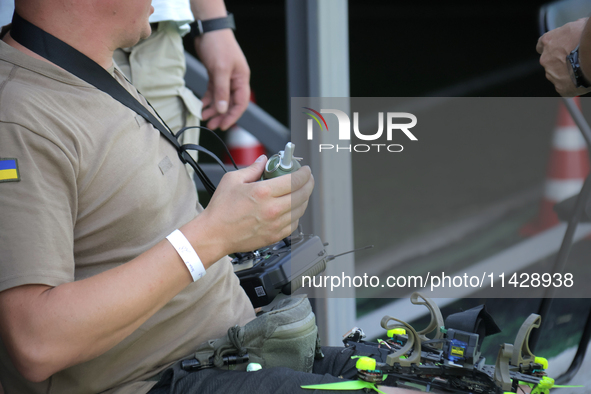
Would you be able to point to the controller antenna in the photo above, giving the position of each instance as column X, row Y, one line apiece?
column 334, row 256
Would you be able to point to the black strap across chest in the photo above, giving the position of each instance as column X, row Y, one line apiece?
column 78, row 64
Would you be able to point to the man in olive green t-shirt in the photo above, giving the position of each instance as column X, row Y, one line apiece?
column 92, row 295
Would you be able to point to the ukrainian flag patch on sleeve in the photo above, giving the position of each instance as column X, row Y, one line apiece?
column 9, row 170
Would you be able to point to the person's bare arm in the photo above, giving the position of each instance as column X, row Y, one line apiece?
column 47, row 329
column 555, row 45
column 228, row 90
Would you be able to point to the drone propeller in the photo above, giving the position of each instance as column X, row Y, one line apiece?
column 363, row 363
column 349, row 385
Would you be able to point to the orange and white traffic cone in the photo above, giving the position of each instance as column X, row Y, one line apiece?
column 244, row 147
column 567, row 170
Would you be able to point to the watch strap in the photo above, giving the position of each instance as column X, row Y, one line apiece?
column 576, row 73
column 200, row 27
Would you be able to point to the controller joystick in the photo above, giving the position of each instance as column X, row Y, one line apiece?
column 282, row 163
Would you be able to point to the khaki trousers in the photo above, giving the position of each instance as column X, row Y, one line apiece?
column 156, row 67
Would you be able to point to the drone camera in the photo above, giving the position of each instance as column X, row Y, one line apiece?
column 462, row 347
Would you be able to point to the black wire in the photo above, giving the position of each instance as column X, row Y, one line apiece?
column 199, row 148
column 188, row 159
column 207, row 183
column 181, row 131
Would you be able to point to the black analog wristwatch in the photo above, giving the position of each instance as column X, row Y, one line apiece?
column 576, row 74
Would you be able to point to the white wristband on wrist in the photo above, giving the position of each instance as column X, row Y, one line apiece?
column 187, row 253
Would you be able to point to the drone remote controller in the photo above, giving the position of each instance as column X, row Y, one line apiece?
column 278, row 268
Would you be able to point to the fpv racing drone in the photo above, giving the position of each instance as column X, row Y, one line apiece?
column 451, row 361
